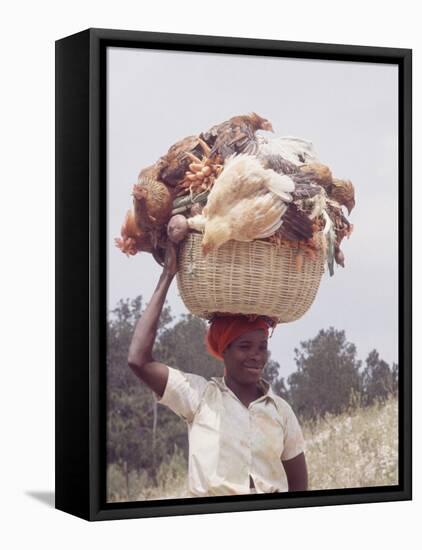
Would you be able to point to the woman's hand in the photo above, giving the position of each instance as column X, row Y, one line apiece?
column 170, row 259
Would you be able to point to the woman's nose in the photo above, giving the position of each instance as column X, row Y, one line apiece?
column 256, row 354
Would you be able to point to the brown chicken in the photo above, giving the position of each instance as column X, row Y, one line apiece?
column 296, row 225
column 315, row 173
column 153, row 200
column 278, row 163
column 236, row 135
column 152, row 203
column 133, row 240
column 343, row 192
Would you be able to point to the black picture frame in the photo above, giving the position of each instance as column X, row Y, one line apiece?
column 81, row 274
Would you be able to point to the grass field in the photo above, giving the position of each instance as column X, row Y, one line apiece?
column 355, row 449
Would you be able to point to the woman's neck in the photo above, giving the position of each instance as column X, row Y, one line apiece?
column 246, row 393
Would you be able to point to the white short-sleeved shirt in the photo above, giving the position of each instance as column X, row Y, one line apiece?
column 229, row 442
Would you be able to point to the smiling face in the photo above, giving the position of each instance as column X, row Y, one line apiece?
column 246, row 357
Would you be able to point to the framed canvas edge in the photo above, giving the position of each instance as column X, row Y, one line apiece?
column 72, row 366
column 248, row 504
column 100, row 39
column 249, row 46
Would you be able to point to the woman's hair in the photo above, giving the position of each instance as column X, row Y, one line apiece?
column 224, row 330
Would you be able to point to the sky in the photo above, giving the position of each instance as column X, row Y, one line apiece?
column 348, row 110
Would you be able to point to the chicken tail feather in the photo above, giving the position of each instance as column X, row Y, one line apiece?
column 280, row 185
column 296, row 224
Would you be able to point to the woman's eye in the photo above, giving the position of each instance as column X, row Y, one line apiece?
column 247, row 348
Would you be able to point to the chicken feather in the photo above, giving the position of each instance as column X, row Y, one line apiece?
column 247, row 202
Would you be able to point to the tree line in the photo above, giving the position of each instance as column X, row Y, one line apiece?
column 141, row 435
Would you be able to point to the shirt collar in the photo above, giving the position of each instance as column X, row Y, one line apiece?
column 263, row 384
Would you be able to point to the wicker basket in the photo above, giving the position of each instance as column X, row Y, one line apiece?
column 251, row 278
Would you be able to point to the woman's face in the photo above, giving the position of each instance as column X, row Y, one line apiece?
column 246, row 357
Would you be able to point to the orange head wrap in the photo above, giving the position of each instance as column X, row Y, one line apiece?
column 223, row 330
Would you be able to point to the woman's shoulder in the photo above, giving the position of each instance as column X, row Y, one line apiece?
column 192, row 378
column 283, row 406
column 267, row 389
column 183, row 392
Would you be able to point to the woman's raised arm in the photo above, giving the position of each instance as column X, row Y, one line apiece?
column 140, row 358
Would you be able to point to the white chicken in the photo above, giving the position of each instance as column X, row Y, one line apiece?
column 295, row 150
column 247, row 202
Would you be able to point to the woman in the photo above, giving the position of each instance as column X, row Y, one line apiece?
column 242, row 437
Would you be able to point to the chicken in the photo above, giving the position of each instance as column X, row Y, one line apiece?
column 341, row 191
column 302, row 217
column 324, row 213
column 330, row 239
column 133, row 240
column 310, row 182
column 247, row 202
column 236, row 135
column 305, row 191
column 278, row 163
column 152, row 202
column 315, row 173
column 242, row 186
column 344, row 193
column 295, row 150
column 296, row 224
column 343, row 228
